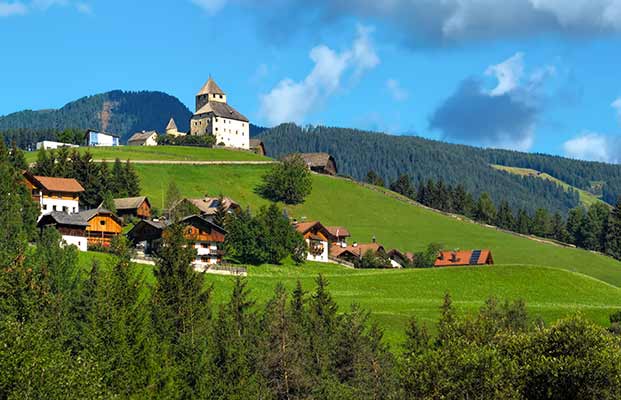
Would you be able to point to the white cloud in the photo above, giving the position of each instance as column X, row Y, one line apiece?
column 292, row 101
column 594, row 147
column 211, row 6
column 10, row 9
column 397, row 92
column 617, row 106
column 508, row 73
column 84, row 8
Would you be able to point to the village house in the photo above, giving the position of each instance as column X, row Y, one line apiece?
column 354, row 252
column 317, row 238
column 400, row 259
column 103, row 226
column 321, row 163
column 214, row 116
column 464, row 258
column 54, row 194
column 257, row 147
column 206, row 207
column 72, row 228
column 96, row 139
column 172, row 130
column 206, row 237
column 144, row 138
column 138, row 207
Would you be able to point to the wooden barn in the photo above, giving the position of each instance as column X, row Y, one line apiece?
column 321, row 163
column 138, row 207
column 257, row 147
column 146, row 235
column 464, row 258
column 103, row 226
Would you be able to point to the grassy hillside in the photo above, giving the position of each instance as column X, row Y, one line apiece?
column 367, row 213
column 165, row 153
column 586, row 198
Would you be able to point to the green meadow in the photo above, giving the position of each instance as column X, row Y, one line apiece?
column 554, row 281
column 164, row 153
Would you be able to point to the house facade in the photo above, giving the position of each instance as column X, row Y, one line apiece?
column 102, row 226
column 54, row 194
column 50, row 145
column 214, row 116
column 208, row 240
column 138, row 207
column 72, row 228
column 143, row 138
column 96, row 139
column 317, row 238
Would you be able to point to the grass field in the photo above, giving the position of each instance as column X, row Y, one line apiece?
column 586, row 198
column 164, row 153
column 367, row 213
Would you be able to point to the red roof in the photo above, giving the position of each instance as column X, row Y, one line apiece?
column 464, row 257
column 51, row 184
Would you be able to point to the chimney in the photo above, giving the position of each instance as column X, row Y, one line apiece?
column 355, row 244
column 453, row 256
column 374, row 239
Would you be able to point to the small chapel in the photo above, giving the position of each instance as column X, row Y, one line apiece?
column 214, row 116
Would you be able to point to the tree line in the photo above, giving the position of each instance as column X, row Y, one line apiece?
column 597, row 228
column 99, row 180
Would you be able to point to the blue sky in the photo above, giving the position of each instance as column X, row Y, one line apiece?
column 534, row 75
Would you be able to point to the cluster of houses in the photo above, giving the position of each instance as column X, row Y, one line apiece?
column 59, row 202
column 329, row 244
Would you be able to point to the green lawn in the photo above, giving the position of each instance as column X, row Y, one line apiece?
column 165, row 153
column 586, row 198
column 367, row 213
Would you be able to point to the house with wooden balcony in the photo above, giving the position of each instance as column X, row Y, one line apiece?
column 54, row 194
column 102, row 226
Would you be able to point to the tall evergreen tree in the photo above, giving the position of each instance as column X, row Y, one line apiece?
column 504, row 217
column 374, row 179
column 613, row 232
column 523, row 222
column 403, row 185
column 485, row 209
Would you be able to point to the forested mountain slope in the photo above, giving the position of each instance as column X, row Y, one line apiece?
column 358, row 152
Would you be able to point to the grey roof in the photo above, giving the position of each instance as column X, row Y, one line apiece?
column 209, row 205
column 256, row 142
column 222, row 110
column 129, row 203
column 141, row 136
column 210, row 87
column 89, row 214
column 104, row 133
column 62, row 218
column 314, row 159
column 171, row 125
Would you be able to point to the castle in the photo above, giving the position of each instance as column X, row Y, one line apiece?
column 215, row 117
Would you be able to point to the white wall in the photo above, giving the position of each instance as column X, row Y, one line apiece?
column 201, row 251
column 101, row 139
column 79, row 241
column 323, row 257
column 73, row 206
column 231, row 132
column 48, row 145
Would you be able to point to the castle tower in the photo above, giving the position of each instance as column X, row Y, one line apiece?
column 209, row 92
column 171, row 128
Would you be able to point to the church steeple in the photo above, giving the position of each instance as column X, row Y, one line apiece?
column 209, row 92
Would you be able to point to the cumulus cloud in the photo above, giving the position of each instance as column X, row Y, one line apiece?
column 397, row 92
column 292, row 101
column 446, row 22
column 8, row 9
column 594, row 147
column 504, row 116
column 617, row 106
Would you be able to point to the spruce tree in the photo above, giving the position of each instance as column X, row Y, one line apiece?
column 219, row 217
column 504, row 217
column 17, row 158
column 613, row 233
column 374, row 179
column 403, row 185
column 485, row 209
column 132, row 182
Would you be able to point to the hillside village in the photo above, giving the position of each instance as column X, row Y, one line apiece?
column 96, row 228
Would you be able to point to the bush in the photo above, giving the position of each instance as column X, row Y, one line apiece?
column 187, row 140
column 289, row 181
column 427, row 258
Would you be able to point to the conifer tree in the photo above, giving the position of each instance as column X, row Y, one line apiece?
column 118, row 182
column 559, row 228
column 504, row 217
column 485, row 209
column 541, row 223
column 403, row 186
column 132, row 182
column 613, row 233
column 17, row 158
column 44, row 166
column 523, row 222
column 374, row 179
column 219, row 217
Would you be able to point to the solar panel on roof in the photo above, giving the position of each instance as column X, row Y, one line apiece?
column 474, row 258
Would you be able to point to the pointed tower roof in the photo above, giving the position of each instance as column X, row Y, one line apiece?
column 210, row 87
column 171, row 125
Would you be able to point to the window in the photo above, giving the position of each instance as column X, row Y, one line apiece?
column 102, row 222
column 45, row 206
column 65, row 209
column 74, row 210
column 53, row 208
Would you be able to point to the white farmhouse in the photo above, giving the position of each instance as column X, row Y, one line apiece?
column 215, row 117
column 54, row 194
column 50, row 145
column 143, row 138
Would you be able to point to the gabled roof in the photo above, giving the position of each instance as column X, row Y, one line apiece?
column 209, row 205
column 394, row 253
column 222, row 110
column 210, row 87
column 314, row 159
column 338, row 231
column 171, row 125
column 358, row 250
column 200, row 222
column 464, row 257
column 130, row 203
column 305, row 227
column 90, row 214
column 141, row 136
column 62, row 218
column 63, row 185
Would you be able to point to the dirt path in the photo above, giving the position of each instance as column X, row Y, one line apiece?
column 186, row 162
